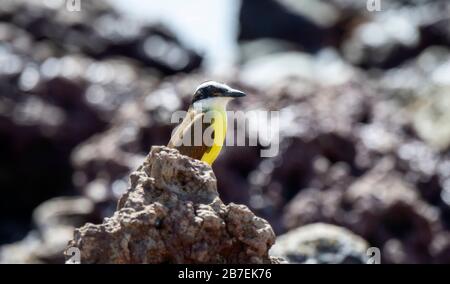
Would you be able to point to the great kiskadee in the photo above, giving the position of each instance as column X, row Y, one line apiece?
column 202, row 132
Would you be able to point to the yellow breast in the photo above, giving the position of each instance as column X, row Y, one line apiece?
column 219, row 124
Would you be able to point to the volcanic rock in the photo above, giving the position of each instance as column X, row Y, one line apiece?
column 172, row 214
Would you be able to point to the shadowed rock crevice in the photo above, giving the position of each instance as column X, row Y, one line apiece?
column 172, row 213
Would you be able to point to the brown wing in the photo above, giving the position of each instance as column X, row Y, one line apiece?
column 186, row 132
column 178, row 134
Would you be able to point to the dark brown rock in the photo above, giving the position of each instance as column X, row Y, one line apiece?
column 172, row 214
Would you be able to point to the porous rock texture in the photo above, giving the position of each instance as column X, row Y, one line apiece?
column 172, row 213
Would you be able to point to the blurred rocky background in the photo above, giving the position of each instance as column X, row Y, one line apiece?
column 364, row 100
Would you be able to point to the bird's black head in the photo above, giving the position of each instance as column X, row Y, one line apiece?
column 213, row 89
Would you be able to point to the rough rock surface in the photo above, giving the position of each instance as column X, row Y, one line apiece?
column 172, row 214
column 321, row 243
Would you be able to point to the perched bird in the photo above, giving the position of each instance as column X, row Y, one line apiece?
column 206, row 118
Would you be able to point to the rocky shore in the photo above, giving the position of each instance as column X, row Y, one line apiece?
column 364, row 138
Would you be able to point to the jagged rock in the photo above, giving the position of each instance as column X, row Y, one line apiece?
column 321, row 243
column 172, row 214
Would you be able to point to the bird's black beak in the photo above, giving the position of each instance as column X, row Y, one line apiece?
column 232, row 93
